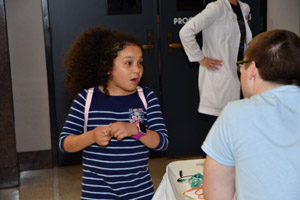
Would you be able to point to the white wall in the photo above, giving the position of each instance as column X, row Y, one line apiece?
column 29, row 77
column 283, row 14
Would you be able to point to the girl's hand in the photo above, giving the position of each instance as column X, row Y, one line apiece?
column 210, row 63
column 102, row 137
column 119, row 130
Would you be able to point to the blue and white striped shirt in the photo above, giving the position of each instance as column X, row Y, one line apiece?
column 119, row 170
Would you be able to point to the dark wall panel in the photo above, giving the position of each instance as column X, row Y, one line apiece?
column 9, row 172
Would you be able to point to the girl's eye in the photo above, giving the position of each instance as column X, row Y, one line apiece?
column 141, row 63
column 128, row 63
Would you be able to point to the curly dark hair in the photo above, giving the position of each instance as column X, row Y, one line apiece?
column 91, row 58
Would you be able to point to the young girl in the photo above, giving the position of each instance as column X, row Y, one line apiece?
column 120, row 130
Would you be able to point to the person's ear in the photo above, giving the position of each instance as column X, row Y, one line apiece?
column 253, row 70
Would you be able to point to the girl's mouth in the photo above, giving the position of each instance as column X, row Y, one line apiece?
column 135, row 80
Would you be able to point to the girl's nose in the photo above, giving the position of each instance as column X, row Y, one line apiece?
column 137, row 68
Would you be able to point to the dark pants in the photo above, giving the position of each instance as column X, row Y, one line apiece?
column 241, row 93
column 210, row 120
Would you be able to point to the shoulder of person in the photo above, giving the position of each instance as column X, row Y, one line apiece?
column 146, row 90
column 80, row 97
column 149, row 94
column 83, row 93
column 217, row 6
column 212, row 10
column 245, row 7
column 243, row 3
column 237, row 107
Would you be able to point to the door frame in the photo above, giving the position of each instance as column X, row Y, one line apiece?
column 50, row 77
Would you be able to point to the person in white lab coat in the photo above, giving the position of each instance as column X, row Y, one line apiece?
column 225, row 34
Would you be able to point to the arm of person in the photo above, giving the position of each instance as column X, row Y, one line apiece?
column 74, row 143
column 99, row 135
column 120, row 130
column 71, row 138
column 151, row 139
column 195, row 25
column 218, row 180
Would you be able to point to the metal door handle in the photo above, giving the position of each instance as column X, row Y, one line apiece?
column 176, row 45
column 170, row 44
column 150, row 45
column 147, row 46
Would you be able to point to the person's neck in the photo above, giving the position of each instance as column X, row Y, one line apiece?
column 234, row 2
column 264, row 86
column 115, row 91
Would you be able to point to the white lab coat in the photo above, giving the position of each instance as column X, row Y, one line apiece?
column 221, row 39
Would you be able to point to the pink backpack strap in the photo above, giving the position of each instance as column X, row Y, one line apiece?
column 142, row 96
column 88, row 101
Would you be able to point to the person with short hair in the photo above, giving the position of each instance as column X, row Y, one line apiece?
column 253, row 147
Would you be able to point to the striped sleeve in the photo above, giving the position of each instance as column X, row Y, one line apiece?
column 75, row 119
column 155, row 120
